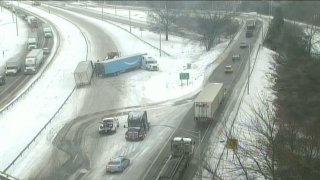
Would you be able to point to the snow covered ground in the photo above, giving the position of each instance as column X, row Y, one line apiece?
column 29, row 115
column 260, row 87
column 159, row 86
column 10, row 43
column 23, row 121
column 242, row 128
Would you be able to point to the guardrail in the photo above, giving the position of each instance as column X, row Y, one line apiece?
column 54, row 115
column 5, row 176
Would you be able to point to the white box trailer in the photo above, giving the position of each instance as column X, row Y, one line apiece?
column 208, row 101
column 83, row 73
column 33, row 61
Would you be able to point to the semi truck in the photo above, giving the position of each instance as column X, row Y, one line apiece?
column 125, row 63
column 33, row 61
column 83, row 73
column 208, row 101
column 251, row 24
column 13, row 66
column 138, row 125
column 2, row 76
column 47, row 32
column 182, row 149
column 32, row 42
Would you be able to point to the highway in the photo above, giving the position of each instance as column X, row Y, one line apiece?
column 14, row 84
column 85, row 130
column 81, row 153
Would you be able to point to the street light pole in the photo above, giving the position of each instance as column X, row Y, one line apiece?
column 102, row 12
column 17, row 24
column 130, row 19
column 249, row 67
column 199, row 163
column 160, row 43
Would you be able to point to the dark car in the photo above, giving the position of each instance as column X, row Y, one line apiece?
column 2, row 76
column 118, row 164
column 243, row 44
column 236, row 57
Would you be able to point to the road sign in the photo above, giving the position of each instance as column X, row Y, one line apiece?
column 232, row 143
column 184, row 76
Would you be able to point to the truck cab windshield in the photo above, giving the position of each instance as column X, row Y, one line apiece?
column 151, row 62
column 11, row 67
column 29, row 62
column 133, row 123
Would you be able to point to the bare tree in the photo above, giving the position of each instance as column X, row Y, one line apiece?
column 255, row 155
column 212, row 26
column 163, row 18
column 311, row 38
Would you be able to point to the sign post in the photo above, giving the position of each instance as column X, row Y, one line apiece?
column 184, row 76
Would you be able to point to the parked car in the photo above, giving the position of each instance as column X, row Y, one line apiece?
column 118, row 164
column 243, row 44
column 228, row 69
column 236, row 57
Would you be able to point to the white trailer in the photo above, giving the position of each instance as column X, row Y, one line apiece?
column 83, row 73
column 208, row 101
column 33, row 61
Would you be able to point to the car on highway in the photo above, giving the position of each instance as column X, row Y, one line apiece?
column 109, row 125
column 236, row 57
column 243, row 44
column 118, row 164
column 46, row 50
column 228, row 69
column 2, row 76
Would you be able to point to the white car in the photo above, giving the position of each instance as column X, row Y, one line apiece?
column 108, row 125
column 117, row 164
column 243, row 44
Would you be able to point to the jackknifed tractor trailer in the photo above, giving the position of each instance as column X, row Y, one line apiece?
column 208, row 101
column 122, row 64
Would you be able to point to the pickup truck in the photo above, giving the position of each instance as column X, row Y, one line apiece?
column 108, row 125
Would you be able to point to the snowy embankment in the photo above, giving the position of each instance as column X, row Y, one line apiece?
column 239, row 122
column 23, row 121
column 11, row 43
column 260, row 87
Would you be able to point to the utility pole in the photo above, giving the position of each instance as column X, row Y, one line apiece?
column 130, row 19
column 102, row 12
column 249, row 67
column 199, row 163
column 17, row 24
column 262, row 33
column 160, row 42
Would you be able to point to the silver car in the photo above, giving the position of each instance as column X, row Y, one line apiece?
column 118, row 164
column 243, row 44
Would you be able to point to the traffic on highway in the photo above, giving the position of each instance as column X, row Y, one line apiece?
column 94, row 94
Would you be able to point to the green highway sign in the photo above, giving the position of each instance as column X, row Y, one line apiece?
column 184, row 76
